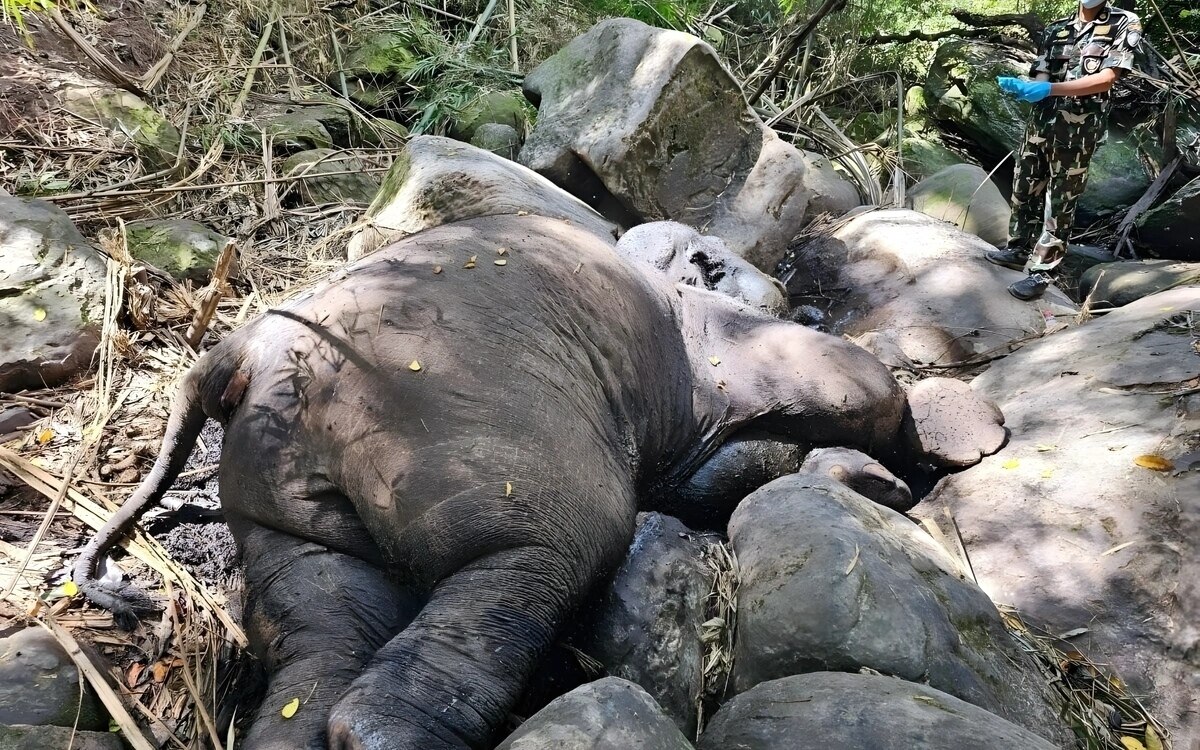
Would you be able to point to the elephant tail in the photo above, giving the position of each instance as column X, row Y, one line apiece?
column 214, row 374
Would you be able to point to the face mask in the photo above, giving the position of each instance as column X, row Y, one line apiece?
column 1089, row 4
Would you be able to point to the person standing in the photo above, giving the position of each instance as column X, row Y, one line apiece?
column 1080, row 57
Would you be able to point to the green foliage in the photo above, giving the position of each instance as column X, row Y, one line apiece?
column 13, row 11
column 673, row 14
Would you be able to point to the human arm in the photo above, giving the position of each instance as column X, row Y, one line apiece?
column 1096, row 83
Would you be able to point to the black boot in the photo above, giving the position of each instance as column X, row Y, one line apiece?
column 1010, row 257
column 1030, row 287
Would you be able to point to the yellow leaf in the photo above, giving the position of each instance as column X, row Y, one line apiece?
column 1047, row 473
column 1153, row 742
column 70, row 588
column 1043, row 448
column 1154, row 462
column 500, row 262
column 1132, row 744
column 415, row 366
column 1011, row 463
column 715, row 361
column 508, row 489
column 45, row 436
column 290, row 709
column 39, row 314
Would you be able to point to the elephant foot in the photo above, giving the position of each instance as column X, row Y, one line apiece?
column 368, row 720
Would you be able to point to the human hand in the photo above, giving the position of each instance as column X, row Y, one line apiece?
column 1026, row 91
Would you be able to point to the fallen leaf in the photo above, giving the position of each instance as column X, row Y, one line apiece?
column 1132, row 744
column 500, row 262
column 578, row 267
column 70, row 588
column 1011, row 463
column 159, row 671
column 508, row 489
column 415, row 366
column 1153, row 741
column 45, row 436
column 501, row 250
column 437, row 269
column 1073, row 633
column 471, row 261
column 714, row 361
column 522, row 213
column 1154, row 462
column 1047, row 473
column 289, row 710
column 135, row 671
column 39, row 314
column 113, row 726
column 1043, row 448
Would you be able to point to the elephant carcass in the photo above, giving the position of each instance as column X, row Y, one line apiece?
column 429, row 461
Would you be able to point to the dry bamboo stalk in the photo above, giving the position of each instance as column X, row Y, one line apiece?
column 129, row 728
column 142, row 547
column 115, row 74
column 197, row 699
column 512, row 35
column 211, row 296
column 154, row 75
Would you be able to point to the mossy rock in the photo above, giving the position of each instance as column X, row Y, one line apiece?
column 500, row 107
column 154, row 138
column 379, row 132
column 962, row 93
column 187, row 250
column 1172, row 229
column 926, row 155
column 867, row 127
column 501, row 140
column 326, row 182
column 1116, row 177
column 375, row 66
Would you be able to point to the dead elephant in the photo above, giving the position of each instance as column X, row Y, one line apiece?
column 430, row 460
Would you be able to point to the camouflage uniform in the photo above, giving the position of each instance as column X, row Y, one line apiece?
column 1063, row 131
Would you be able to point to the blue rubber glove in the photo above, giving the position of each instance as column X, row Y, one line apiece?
column 1026, row 91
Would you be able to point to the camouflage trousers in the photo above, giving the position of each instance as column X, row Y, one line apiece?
column 1053, row 160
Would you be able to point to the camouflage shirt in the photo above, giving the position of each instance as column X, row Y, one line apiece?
column 1072, row 49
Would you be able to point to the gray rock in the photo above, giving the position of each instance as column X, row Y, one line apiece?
column 829, row 192
column 683, row 255
column 1116, row 284
column 1115, row 542
column 831, row 581
column 325, row 181
column 609, row 714
column 926, row 154
column 680, row 145
column 863, row 712
column 438, row 180
column 645, row 626
column 152, row 135
column 950, row 425
column 961, row 93
column 1117, row 177
column 301, row 128
column 1172, row 228
column 12, row 419
column 492, row 108
column 39, row 684
column 861, row 473
column 912, row 289
column 184, row 249
column 51, row 296
column 964, row 196
column 500, row 139
column 377, row 63
column 20, row 737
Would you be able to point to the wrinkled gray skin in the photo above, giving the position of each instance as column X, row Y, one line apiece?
column 392, row 578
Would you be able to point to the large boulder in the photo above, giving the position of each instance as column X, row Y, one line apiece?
column 184, row 249
column 51, row 296
column 1172, row 228
column 829, row 192
column 492, row 108
column 438, row 180
column 828, row 709
column 831, row 581
column 24, row 737
column 1117, row 177
column 609, row 714
column 964, row 196
column 645, row 626
column 648, row 124
column 961, row 93
column 1089, row 517
column 1116, row 284
column 914, row 290
column 39, row 684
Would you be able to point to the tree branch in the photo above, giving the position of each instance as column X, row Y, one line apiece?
column 925, row 36
column 830, row 6
column 1028, row 21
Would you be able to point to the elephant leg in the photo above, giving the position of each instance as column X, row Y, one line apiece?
column 314, row 617
column 450, row 679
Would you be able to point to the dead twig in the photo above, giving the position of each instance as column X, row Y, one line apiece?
column 211, row 296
